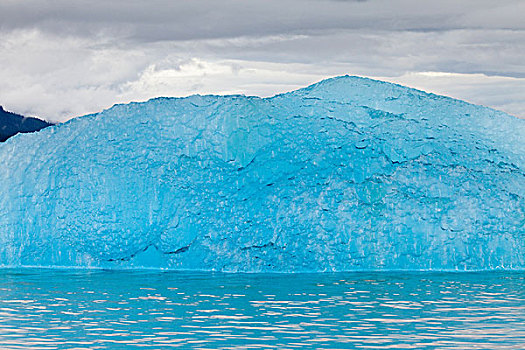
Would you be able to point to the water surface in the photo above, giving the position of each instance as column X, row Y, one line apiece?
column 60, row 309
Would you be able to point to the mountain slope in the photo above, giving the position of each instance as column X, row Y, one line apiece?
column 12, row 124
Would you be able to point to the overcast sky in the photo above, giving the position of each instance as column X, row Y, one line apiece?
column 64, row 58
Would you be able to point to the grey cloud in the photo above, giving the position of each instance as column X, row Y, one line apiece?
column 203, row 19
column 461, row 51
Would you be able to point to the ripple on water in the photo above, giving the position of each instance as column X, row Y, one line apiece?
column 56, row 309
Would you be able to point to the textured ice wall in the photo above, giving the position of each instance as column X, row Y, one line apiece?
column 346, row 174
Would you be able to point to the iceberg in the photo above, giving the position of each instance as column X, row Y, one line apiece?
column 347, row 174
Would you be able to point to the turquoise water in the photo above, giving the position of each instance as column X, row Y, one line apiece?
column 59, row 309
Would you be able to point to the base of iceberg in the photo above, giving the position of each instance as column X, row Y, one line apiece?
column 346, row 174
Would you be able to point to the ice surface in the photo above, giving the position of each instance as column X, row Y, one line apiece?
column 346, row 174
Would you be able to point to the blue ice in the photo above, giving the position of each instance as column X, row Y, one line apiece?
column 347, row 174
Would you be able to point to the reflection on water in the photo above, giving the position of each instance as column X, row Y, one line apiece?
column 54, row 309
